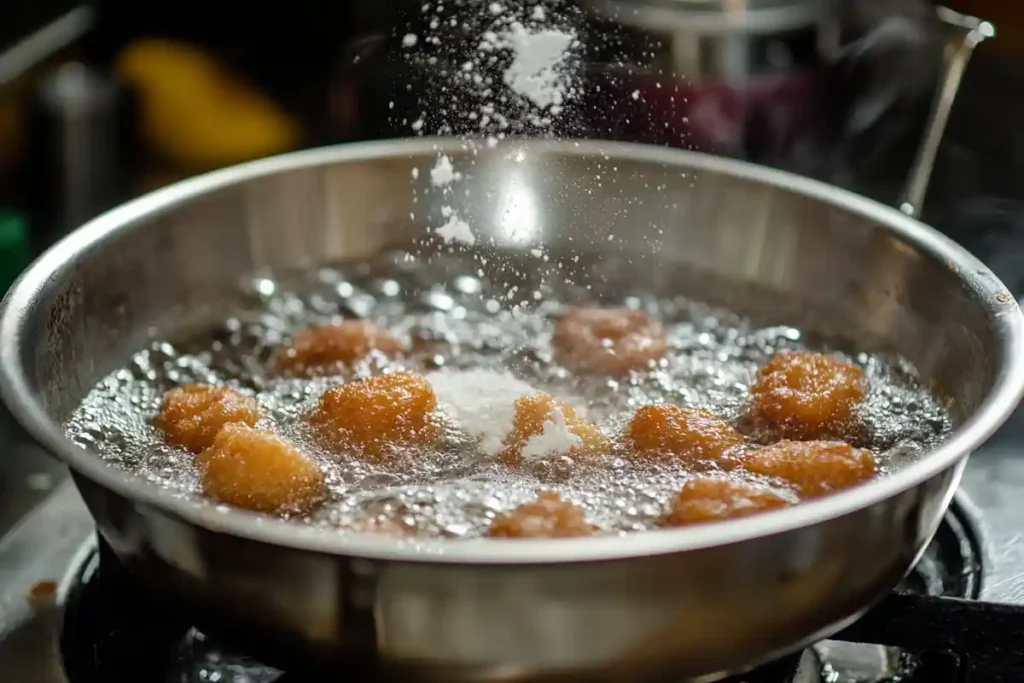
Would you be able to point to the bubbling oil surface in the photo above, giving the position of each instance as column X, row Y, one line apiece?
column 454, row 316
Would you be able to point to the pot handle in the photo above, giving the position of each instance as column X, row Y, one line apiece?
column 964, row 33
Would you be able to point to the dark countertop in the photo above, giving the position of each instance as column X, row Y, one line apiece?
column 27, row 475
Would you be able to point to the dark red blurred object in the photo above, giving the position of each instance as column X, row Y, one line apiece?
column 760, row 119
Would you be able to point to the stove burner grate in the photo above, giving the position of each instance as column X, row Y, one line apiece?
column 110, row 632
column 952, row 564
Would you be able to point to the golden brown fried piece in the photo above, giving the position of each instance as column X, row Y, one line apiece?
column 547, row 517
column 608, row 341
column 694, row 435
column 379, row 415
column 546, row 427
column 711, row 499
column 330, row 349
column 191, row 415
column 813, row 468
column 258, row 470
column 805, row 395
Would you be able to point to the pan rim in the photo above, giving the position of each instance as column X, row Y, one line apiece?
column 999, row 305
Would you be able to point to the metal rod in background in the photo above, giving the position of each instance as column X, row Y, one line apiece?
column 965, row 35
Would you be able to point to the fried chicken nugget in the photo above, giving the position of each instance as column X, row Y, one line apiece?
column 330, row 349
column 806, row 395
column 546, row 427
column 813, row 468
column 258, row 470
column 608, row 341
column 378, row 416
column 693, row 435
column 711, row 499
column 547, row 517
column 191, row 415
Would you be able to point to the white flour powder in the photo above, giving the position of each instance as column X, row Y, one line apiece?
column 555, row 439
column 534, row 49
column 456, row 230
column 443, row 174
column 482, row 402
column 538, row 61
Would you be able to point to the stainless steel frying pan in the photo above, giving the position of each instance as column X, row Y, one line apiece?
column 697, row 602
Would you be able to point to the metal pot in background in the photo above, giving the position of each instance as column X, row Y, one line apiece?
column 726, row 77
column 783, row 82
column 722, row 41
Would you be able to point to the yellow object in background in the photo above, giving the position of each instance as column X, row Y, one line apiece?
column 195, row 113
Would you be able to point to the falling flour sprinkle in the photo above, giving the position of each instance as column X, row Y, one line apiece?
column 534, row 47
column 443, row 174
column 538, row 60
column 455, row 230
column 537, row 73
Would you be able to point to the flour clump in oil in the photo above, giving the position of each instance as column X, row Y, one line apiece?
column 482, row 402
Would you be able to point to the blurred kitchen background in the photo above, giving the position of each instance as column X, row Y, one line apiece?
column 101, row 102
